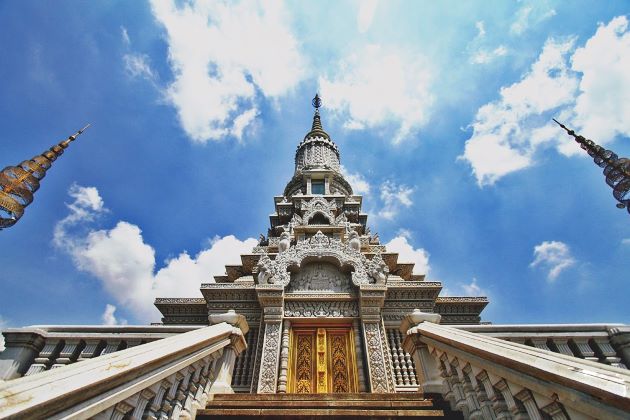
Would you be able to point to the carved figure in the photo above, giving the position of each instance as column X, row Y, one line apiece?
column 285, row 242
column 354, row 241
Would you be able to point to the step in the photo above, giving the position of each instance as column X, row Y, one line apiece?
column 311, row 406
column 307, row 413
column 320, row 403
column 407, row 396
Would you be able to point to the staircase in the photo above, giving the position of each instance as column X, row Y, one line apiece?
column 330, row 406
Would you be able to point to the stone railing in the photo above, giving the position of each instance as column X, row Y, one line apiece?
column 604, row 343
column 35, row 349
column 166, row 379
column 486, row 377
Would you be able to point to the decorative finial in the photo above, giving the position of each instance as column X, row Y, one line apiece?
column 616, row 170
column 317, row 102
column 19, row 183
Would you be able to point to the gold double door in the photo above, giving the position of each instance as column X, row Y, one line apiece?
column 322, row 359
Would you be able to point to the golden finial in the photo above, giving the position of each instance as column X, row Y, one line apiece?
column 19, row 183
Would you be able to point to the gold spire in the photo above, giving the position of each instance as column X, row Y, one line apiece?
column 616, row 169
column 18, row 183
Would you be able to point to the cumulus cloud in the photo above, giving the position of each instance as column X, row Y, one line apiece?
column 530, row 15
column 394, row 197
column 602, row 109
column 366, row 14
column 408, row 254
column 554, row 256
column 589, row 90
column 126, row 266
column 109, row 317
column 222, row 55
column 379, row 85
column 502, row 140
column 359, row 184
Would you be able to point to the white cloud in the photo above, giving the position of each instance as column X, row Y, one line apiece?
column 472, row 288
column 592, row 96
column 221, row 55
column 625, row 241
column 554, row 256
column 366, row 14
column 126, row 265
column 529, row 15
column 394, row 197
column 482, row 56
column 478, row 50
column 380, row 85
column 481, row 29
column 407, row 254
column 137, row 65
column 602, row 109
column 502, row 131
column 359, row 184
column 109, row 317
column 125, row 36
column 3, row 325
column 87, row 205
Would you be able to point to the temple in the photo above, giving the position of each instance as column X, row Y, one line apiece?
column 319, row 320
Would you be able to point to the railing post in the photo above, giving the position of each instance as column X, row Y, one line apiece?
column 620, row 339
column 223, row 383
column 427, row 369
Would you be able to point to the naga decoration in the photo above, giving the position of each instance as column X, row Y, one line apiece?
column 616, row 169
column 19, row 183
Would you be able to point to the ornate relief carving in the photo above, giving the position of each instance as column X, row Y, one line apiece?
column 320, row 277
column 269, row 362
column 303, row 364
column 376, row 359
column 320, row 309
column 339, row 363
column 365, row 271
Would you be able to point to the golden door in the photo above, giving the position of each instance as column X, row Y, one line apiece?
column 322, row 360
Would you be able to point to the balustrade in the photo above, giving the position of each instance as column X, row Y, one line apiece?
column 488, row 377
column 166, row 379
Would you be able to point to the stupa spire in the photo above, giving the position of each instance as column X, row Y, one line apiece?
column 19, row 183
column 317, row 130
column 616, row 169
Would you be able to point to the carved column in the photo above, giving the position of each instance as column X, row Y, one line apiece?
column 69, row 353
column 271, row 298
column 284, row 357
column 372, row 298
column 46, row 357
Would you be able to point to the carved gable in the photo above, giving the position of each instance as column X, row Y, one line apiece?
column 320, row 277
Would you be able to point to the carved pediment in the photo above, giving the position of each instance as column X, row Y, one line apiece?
column 320, row 277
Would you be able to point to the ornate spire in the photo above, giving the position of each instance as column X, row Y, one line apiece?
column 317, row 130
column 18, row 183
column 616, row 170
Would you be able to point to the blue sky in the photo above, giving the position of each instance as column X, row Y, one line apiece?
column 442, row 112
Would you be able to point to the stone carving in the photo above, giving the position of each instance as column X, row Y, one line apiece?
column 285, row 242
column 354, row 241
column 320, row 277
column 269, row 363
column 376, row 360
column 321, row 309
column 318, row 205
column 365, row 271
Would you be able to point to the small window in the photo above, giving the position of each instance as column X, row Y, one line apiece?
column 317, row 186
